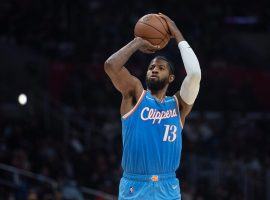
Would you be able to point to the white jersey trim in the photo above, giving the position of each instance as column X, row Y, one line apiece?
column 178, row 110
column 135, row 107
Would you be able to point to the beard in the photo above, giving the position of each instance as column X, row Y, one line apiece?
column 155, row 84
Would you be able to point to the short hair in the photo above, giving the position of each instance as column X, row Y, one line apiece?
column 171, row 67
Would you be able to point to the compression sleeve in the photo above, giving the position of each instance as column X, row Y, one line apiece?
column 191, row 84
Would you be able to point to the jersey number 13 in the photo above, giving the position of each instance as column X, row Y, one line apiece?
column 170, row 133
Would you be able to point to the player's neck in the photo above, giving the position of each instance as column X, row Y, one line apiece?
column 159, row 94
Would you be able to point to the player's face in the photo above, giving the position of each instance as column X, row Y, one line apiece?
column 158, row 75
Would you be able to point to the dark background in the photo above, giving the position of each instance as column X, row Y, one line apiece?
column 70, row 131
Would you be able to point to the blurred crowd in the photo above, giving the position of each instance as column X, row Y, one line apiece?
column 70, row 129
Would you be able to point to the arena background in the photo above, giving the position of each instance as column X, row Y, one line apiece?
column 65, row 142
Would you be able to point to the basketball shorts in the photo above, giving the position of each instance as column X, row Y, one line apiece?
column 149, row 187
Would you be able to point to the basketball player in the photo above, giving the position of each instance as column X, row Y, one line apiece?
column 151, row 121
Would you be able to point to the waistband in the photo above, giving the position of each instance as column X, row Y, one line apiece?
column 149, row 178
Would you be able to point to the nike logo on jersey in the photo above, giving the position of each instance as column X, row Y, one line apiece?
column 174, row 187
column 155, row 115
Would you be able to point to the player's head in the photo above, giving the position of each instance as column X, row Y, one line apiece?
column 160, row 73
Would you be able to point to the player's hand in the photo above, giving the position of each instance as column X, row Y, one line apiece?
column 145, row 46
column 174, row 31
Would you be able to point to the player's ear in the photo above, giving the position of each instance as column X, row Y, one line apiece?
column 171, row 78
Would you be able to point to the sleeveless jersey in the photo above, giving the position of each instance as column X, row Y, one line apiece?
column 151, row 134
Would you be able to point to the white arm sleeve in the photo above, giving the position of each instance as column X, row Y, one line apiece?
column 191, row 84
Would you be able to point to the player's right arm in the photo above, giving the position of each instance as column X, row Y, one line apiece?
column 129, row 86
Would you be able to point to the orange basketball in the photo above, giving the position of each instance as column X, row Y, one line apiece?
column 154, row 29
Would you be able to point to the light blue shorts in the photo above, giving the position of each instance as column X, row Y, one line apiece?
column 149, row 187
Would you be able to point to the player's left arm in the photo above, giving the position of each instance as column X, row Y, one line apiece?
column 191, row 84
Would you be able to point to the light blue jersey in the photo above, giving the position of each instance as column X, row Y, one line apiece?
column 152, row 146
column 152, row 139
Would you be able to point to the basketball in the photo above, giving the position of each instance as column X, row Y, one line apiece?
column 154, row 29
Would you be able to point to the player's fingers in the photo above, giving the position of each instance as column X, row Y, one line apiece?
column 148, row 51
column 164, row 16
column 151, row 46
column 155, row 47
column 169, row 21
column 152, row 49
